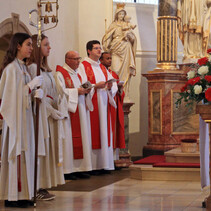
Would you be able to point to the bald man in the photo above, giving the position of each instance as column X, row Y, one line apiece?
column 76, row 150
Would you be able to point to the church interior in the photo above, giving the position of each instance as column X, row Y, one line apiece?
column 160, row 176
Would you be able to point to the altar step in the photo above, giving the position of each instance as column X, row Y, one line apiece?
column 176, row 156
column 174, row 165
column 148, row 172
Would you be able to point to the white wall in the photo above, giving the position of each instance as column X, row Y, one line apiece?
column 92, row 15
column 62, row 38
column 84, row 20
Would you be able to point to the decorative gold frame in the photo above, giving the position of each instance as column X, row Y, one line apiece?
column 194, row 130
column 152, row 119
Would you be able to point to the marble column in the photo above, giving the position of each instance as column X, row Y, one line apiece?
column 167, row 125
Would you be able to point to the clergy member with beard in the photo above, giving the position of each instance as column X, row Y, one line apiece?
column 76, row 150
column 102, row 98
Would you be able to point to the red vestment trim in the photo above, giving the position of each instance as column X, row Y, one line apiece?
column 19, row 172
column 74, row 118
column 94, row 115
column 117, row 119
column 1, row 117
column 49, row 97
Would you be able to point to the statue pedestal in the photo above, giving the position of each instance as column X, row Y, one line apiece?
column 124, row 154
column 167, row 124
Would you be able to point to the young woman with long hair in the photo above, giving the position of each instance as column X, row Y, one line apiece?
column 17, row 144
column 50, row 170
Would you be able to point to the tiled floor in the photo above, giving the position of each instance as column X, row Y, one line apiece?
column 129, row 195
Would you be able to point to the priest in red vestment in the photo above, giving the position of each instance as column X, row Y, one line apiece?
column 117, row 114
column 103, row 99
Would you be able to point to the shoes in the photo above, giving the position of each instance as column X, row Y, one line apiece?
column 103, row 171
column 19, row 203
column 95, row 172
column 70, row 177
column 99, row 172
column 44, row 195
column 81, row 175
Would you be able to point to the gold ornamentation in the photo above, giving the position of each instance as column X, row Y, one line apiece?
column 120, row 5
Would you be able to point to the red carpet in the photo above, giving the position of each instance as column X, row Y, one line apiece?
column 160, row 161
column 151, row 160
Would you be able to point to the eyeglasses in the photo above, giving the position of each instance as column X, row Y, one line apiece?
column 97, row 48
column 78, row 58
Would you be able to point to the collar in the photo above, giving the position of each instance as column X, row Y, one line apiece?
column 92, row 62
column 20, row 61
column 70, row 70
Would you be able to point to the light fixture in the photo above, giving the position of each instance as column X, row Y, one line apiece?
column 48, row 7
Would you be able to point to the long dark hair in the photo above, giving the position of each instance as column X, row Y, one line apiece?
column 34, row 55
column 17, row 39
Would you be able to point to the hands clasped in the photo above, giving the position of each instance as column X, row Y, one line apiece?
column 82, row 91
column 57, row 115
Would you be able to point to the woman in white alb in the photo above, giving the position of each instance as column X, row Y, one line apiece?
column 50, row 169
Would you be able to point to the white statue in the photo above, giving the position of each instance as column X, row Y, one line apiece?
column 194, row 27
column 120, row 41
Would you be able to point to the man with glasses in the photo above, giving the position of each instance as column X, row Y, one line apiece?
column 76, row 150
column 102, row 98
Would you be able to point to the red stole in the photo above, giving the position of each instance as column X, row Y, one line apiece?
column 117, row 119
column 74, row 118
column 94, row 115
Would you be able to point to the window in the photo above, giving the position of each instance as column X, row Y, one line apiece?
column 138, row 1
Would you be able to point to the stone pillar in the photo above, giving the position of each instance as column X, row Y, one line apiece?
column 164, row 83
column 167, row 35
column 124, row 155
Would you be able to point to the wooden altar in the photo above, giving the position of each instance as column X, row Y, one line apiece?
column 205, row 113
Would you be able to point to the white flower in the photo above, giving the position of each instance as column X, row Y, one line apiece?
column 203, row 70
column 197, row 89
column 191, row 74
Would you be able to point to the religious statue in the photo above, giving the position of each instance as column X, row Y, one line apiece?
column 121, row 42
column 194, row 28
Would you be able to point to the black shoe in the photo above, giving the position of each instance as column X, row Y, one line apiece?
column 204, row 204
column 82, row 175
column 29, row 202
column 19, row 203
column 103, row 171
column 94, row 172
column 70, row 177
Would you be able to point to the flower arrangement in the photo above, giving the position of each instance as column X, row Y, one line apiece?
column 198, row 86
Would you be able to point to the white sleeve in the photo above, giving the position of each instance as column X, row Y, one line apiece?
column 82, row 73
column 114, row 88
column 70, row 93
column 112, row 92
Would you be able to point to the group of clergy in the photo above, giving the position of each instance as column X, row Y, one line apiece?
column 97, row 129
column 81, row 120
